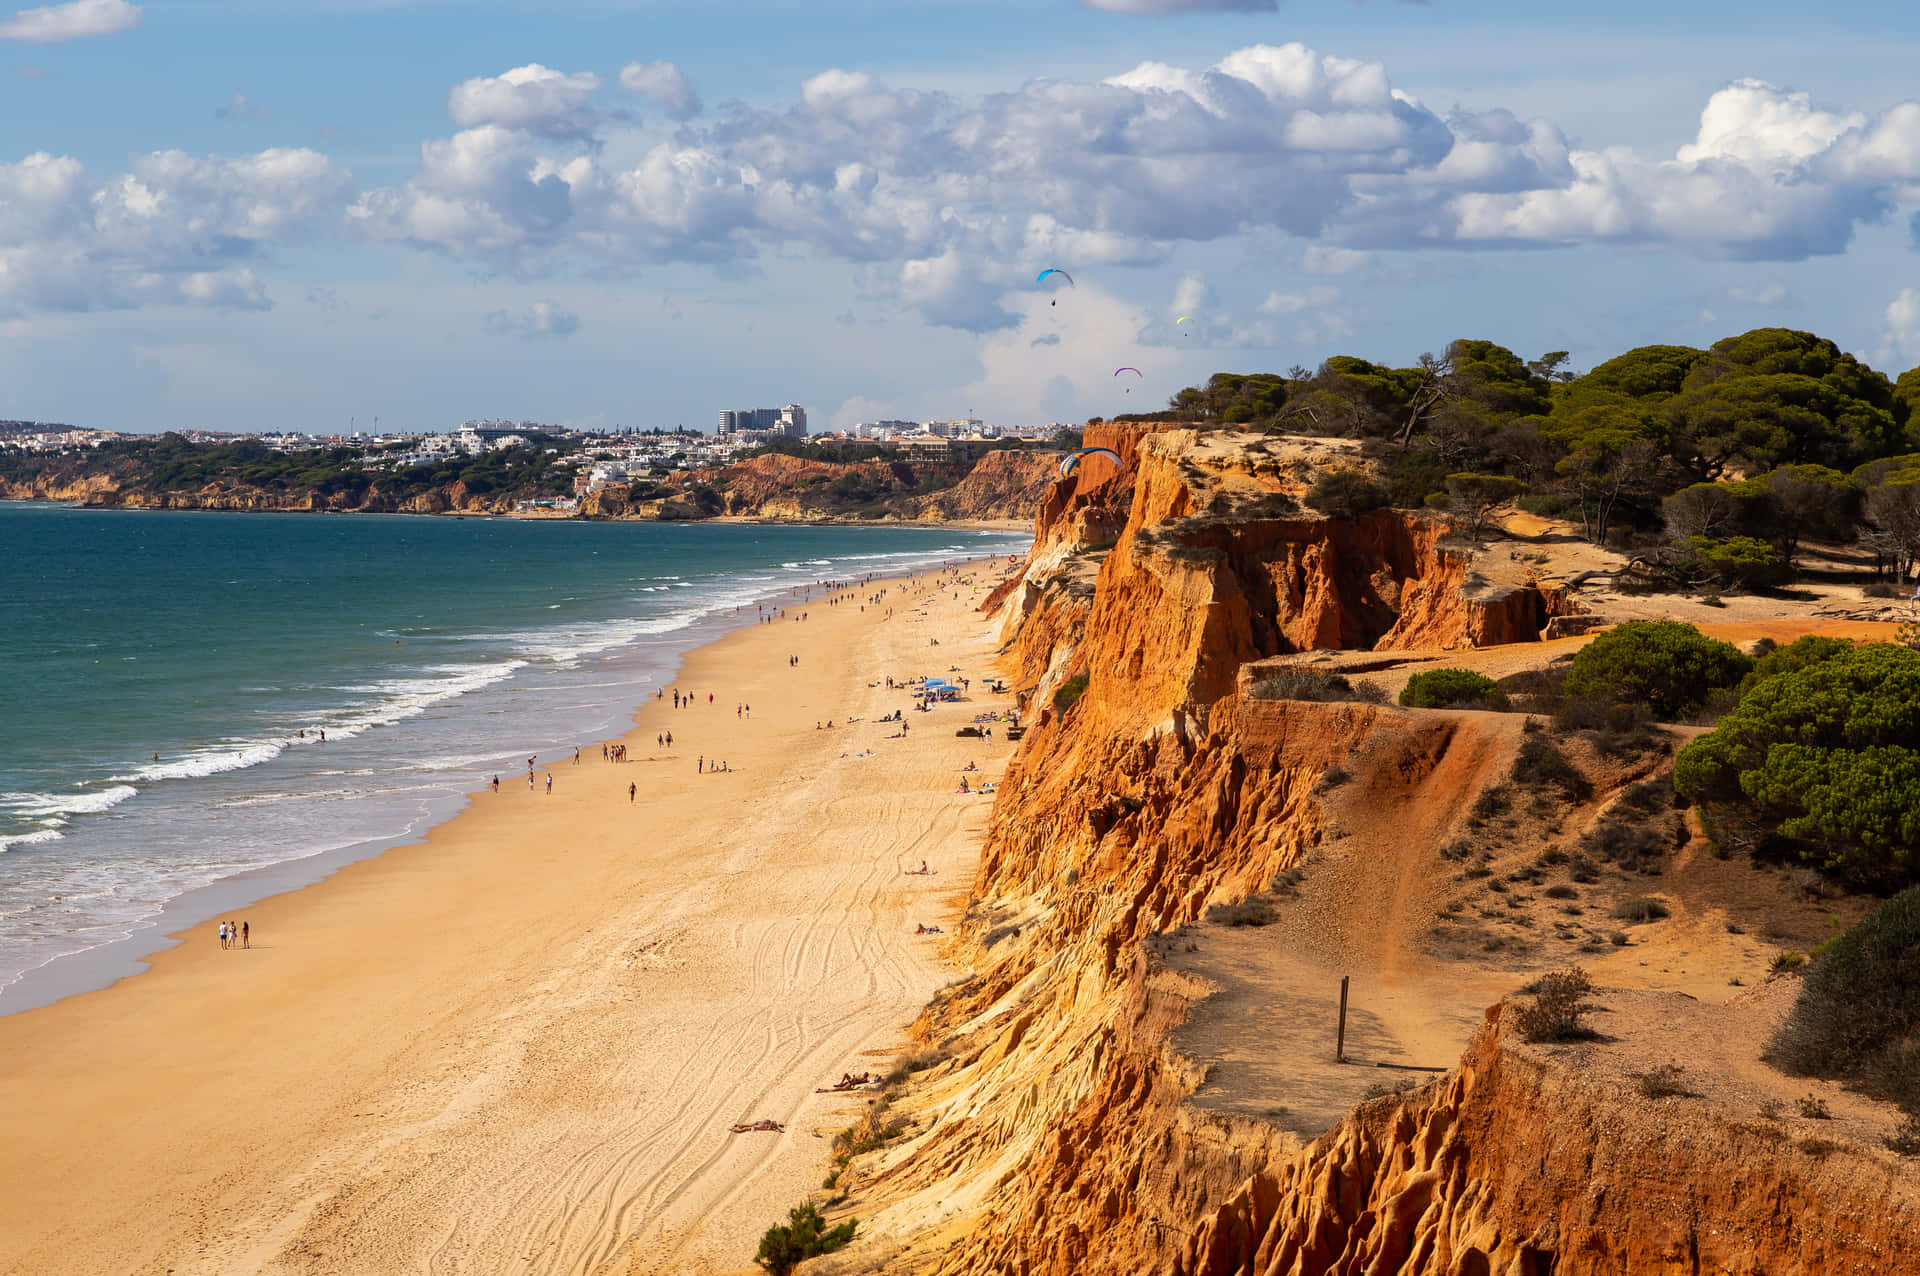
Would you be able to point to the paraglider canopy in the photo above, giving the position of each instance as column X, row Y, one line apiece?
column 1100, row 455
column 1054, row 270
column 1136, row 372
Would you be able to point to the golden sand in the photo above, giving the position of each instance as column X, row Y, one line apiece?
column 519, row 1045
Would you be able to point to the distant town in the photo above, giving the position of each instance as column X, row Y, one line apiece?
column 598, row 458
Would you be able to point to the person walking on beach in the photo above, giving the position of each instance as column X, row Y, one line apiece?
column 700, row 764
column 669, row 739
column 496, row 784
column 246, row 935
column 223, row 935
column 631, row 790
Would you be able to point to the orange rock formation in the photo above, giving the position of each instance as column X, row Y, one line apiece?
column 1051, row 1128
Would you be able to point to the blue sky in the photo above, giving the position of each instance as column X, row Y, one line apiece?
column 297, row 214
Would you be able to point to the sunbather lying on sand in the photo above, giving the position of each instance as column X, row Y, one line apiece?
column 850, row 1081
column 772, row 1127
column 928, row 930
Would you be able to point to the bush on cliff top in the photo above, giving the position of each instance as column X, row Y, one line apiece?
column 1669, row 667
column 1858, row 1017
column 1302, row 684
column 1347, row 494
column 1559, row 1007
column 1449, row 688
column 786, row 1245
column 1826, row 756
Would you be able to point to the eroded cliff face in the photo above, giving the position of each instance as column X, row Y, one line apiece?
column 1205, row 534
column 1052, row 1123
column 1519, row 1163
column 102, row 492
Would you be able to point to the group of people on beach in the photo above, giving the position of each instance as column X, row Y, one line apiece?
column 236, row 935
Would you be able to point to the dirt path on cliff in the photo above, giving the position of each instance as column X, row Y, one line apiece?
column 1368, row 896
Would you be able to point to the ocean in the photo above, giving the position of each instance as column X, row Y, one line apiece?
column 165, row 678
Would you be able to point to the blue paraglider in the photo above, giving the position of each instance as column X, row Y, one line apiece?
column 1072, row 462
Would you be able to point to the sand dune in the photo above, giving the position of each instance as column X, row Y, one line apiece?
column 519, row 1046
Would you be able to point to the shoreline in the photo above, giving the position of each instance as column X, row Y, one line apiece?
column 104, row 965
column 56, row 956
column 747, row 520
column 770, row 898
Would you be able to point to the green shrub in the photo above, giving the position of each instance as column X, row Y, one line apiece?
column 1669, row 667
column 1743, row 561
column 1443, row 688
column 1826, row 756
column 788, row 1244
column 1809, row 649
column 1347, row 494
column 1069, row 692
column 1546, row 504
column 1858, row 1016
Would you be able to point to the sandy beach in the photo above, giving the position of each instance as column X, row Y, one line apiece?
column 519, row 1045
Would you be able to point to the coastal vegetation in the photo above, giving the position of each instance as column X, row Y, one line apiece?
column 804, row 1235
column 170, row 463
column 1449, row 688
column 1716, row 466
column 1821, row 757
column 1859, row 1007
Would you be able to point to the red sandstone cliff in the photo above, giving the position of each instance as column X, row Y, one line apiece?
column 1055, row 1126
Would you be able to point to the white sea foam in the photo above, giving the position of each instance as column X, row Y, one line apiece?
column 403, row 698
column 9, row 841
column 59, row 806
column 233, row 755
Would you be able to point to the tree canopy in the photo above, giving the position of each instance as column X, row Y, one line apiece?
column 1669, row 667
column 1826, row 755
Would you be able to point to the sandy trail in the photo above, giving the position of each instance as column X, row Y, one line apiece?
column 518, row 1047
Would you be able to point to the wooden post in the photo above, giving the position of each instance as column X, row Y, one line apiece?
column 1340, row 1042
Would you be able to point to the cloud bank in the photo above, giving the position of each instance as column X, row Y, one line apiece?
column 58, row 23
column 948, row 205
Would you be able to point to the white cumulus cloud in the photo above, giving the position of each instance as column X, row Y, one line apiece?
column 172, row 228
column 532, row 98
column 663, row 84
column 58, row 23
column 1901, row 346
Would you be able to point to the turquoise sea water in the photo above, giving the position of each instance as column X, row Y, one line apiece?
column 157, row 670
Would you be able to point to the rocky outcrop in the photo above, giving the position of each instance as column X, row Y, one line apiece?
column 1000, row 486
column 1217, row 550
column 101, row 491
column 1460, row 1178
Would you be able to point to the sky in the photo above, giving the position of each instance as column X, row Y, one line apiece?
column 318, row 214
